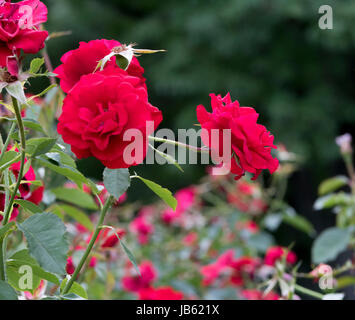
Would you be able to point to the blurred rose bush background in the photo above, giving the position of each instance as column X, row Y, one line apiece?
column 227, row 239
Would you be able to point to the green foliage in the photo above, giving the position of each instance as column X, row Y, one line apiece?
column 75, row 196
column 117, row 181
column 330, row 244
column 332, row 184
column 297, row 221
column 38, row 146
column 161, row 192
column 16, row 90
column 75, row 290
column 7, row 292
column 332, row 200
column 23, row 258
column 28, row 206
column 6, row 229
column 77, row 215
column 47, row 242
column 36, row 65
column 8, row 159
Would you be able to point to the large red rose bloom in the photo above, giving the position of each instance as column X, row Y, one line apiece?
column 84, row 60
column 19, row 28
column 251, row 143
column 100, row 109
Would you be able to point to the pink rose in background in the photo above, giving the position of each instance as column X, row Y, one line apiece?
column 274, row 254
column 161, row 293
column 186, row 198
column 190, row 239
column 143, row 228
column 134, row 283
column 254, row 294
column 212, row 271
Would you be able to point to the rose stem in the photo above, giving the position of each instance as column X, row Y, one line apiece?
column 103, row 213
column 9, row 205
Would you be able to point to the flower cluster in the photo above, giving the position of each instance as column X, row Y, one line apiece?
column 109, row 104
column 142, row 284
column 19, row 30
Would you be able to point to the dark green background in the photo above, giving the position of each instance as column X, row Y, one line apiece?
column 268, row 54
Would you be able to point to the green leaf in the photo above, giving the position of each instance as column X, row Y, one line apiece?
column 76, row 289
column 36, row 64
column 15, row 90
column 297, row 221
column 22, row 258
column 42, row 93
column 330, row 244
column 129, row 255
column 47, row 242
column 71, row 296
column 7, row 228
column 7, row 292
column 332, row 200
column 69, row 172
column 38, row 146
column 77, row 215
column 125, row 249
column 8, row 159
column 332, row 184
column 345, row 281
column 33, row 124
column 61, row 158
column 161, row 192
column 28, row 206
column 117, row 181
column 75, row 196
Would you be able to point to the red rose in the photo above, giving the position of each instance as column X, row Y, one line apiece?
column 251, row 143
column 161, row 293
column 84, row 60
column 109, row 238
column 243, row 268
column 212, row 271
column 274, row 254
column 254, row 294
column 144, row 280
column 99, row 110
column 19, row 28
column 143, row 228
column 70, row 268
